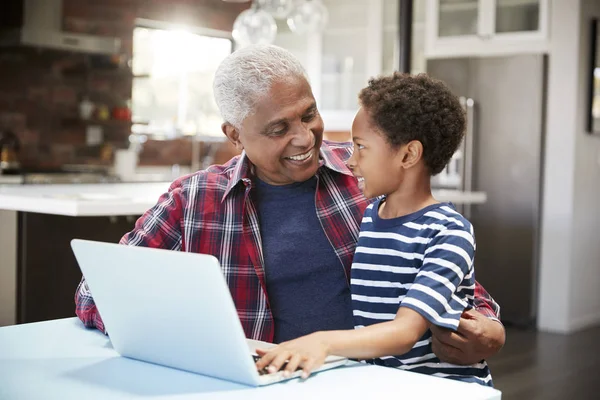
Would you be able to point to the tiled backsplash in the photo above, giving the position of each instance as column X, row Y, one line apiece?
column 40, row 94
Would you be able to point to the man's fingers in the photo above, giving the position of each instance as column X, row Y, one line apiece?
column 448, row 337
column 467, row 326
column 456, row 340
column 471, row 313
column 446, row 353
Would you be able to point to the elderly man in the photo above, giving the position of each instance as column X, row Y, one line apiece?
column 282, row 218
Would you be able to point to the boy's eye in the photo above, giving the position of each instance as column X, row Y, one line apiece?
column 360, row 146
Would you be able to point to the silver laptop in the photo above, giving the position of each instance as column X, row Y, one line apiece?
column 173, row 309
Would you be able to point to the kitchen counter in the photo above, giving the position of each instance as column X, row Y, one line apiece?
column 83, row 199
column 38, row 222
column 459, row 197
column 125, row 199
column 11, row 179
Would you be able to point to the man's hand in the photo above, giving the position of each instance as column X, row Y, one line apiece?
column 477, row 338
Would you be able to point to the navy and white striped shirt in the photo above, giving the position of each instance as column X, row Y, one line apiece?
column 423, row 261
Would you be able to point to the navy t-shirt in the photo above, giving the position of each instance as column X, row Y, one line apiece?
column 306, row 282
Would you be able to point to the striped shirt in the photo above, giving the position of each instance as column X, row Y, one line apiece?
column 423, row 261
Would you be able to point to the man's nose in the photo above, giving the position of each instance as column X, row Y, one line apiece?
column 303, row 137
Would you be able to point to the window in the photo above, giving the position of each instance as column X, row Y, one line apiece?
column 172, row 86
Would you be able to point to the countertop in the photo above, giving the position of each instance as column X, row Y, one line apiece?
column 11, row 179
column 124, row 199
column 80, row 200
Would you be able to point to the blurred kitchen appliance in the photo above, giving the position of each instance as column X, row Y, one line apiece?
column 502, row 154
column 38, row 23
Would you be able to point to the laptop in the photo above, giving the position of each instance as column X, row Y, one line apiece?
column 174, row 309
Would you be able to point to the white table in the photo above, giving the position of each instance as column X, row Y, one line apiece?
column 62, row 360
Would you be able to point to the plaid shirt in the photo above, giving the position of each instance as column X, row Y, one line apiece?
column 214, row 212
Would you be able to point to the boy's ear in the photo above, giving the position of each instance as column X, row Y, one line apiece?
column 233, row 135
column 413, row 152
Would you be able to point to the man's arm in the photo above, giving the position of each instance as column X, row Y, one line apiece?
column 85, row 308
column 480, row 333
column 485, row 304
column 159, row 227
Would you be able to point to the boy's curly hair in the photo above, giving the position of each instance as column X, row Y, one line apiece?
column 416, row 107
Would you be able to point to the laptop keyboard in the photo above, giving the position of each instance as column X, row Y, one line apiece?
column 262, row 371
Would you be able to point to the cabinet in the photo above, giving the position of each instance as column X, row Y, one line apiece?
column 466, row 28
column 47, row 272
column 341, row 59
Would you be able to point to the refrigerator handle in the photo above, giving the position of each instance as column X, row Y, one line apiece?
column 467, row 183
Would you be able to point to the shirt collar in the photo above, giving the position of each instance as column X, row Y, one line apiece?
column 332, row 161
column 244, row 169
column 241, row 172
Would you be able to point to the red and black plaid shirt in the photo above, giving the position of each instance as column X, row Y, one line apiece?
column 213, row 212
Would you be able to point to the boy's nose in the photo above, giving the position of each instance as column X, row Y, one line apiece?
column 351, row 163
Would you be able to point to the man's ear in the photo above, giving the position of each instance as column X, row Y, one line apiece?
column 233, row 135
column 413, row 152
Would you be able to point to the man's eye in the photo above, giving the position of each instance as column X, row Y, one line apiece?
column 278, row 132
column 308, row 118
column 360, row 146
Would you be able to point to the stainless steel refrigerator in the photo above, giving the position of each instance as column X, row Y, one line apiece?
column 502, row 155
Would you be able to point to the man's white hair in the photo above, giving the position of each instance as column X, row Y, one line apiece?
column 247, row 74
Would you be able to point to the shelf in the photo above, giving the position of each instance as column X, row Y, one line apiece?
column 518, row 3
column 74, row 121
column 417, row 26
column 359, row 30
column 457, row 7
column 469, row 6
column 108, row 73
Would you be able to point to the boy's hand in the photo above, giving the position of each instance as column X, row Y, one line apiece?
column 308, row 352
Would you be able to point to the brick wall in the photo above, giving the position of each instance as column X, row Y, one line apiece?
column 39, row 96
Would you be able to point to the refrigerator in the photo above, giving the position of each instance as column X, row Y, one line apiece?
column 502, row 155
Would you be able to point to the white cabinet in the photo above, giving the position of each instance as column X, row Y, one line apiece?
column 351, row 52
column 463, row 28
column 342, row 58
column 418, row 62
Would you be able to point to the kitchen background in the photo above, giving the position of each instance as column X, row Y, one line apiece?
column 527, row 72
column 42, row 90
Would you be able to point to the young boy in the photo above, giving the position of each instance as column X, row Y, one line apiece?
column 413, row 266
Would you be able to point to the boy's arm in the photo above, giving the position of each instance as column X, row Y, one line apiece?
column 387, row 338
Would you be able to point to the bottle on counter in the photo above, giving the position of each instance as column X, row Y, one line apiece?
column 9, row 150
column 86, row 109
